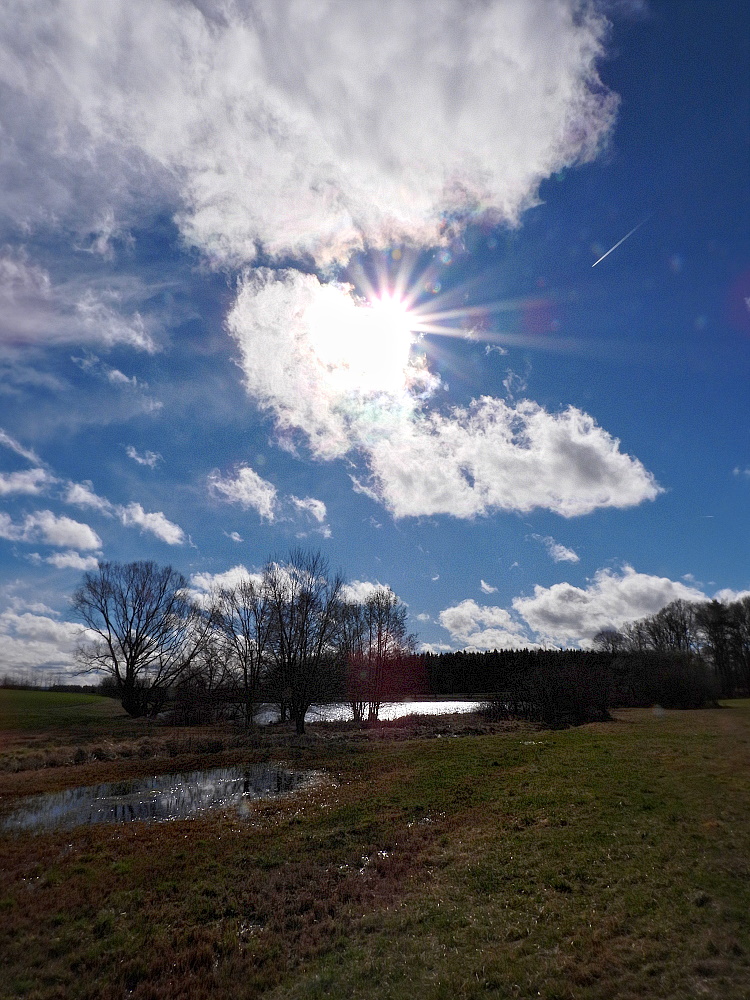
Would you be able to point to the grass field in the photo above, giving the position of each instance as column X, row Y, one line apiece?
column 38, row 710
column 607, row 861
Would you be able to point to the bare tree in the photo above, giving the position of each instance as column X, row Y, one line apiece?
column 304, row 602
column 387, row 642
column 244, row 621
column 143, row 629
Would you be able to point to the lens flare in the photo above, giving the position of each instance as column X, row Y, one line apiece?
column 363, row 347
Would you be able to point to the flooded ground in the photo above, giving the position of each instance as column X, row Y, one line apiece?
column 158, row 798
column 341, row 712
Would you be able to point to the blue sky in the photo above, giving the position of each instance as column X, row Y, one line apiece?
column 277, row 274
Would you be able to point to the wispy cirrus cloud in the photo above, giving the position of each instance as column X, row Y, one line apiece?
column 10, row 442
column 35, row 311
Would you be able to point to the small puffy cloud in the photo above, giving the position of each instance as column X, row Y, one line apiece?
column 235, row 536
column 423, row 617
column 487, row 588
column 44, row 526
column 246, row 488
column 82, row 495
column 557, row 552
column 566, row 614
column 155, row 523
column 744, row 473
column 315, row 508
column 480, row 627
column 727, row 595
column 29, row 481
column 149, row 458
column 435, row 647
column 72, row 560
column 206, row 582
column 130, row 515
column 359, row 591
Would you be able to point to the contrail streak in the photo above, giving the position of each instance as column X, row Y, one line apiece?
column 620, row 241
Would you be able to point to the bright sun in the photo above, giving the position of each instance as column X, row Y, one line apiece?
column 365, row 348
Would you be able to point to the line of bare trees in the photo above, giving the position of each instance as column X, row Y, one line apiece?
column 708, row 639
column 286, row 635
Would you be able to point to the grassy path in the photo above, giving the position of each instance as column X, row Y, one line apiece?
column 607, row 861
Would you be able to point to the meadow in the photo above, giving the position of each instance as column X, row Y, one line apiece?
column 609, row 860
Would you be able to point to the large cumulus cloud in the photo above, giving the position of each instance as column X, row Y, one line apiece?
column 311, row 131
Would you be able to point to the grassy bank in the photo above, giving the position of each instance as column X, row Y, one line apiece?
column 606, row 861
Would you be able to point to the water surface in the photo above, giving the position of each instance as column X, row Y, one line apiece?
column 158, row 798
column 341, row 712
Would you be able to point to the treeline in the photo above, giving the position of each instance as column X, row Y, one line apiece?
column 289, row 635
column 293, row 636
column 711, row 633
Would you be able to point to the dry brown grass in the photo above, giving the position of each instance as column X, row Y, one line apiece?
column 609, row 861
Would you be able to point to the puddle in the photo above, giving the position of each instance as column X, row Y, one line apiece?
column 159, row 798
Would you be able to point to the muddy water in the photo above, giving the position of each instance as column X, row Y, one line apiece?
column 158, row 798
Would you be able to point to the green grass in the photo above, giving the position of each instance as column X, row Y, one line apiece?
column 607, row 861
column 38, row 710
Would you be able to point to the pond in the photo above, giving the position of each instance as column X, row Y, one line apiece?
column 341, row 711
column 158, row 798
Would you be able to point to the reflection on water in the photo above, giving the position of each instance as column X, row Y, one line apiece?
column 341, row 712
column 162, row 797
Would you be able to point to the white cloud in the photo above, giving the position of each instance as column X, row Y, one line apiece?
column 234, row 535
column 36, row 642
column 307, row 128
column 737, row 471
column 10, row 442
column 207, row 582
column 247, row 488
column 155, row 523
column 315, row 508
column 557, row 552
column 423, row 617
column 497, row 456
column 435, row 647
column 44, row 526
column 566, row 614
column 312, row 131
column 149, row 458
column 130, row 515
column 359, row 591
column 82, row 495
column 34, row 310
column 487, row 588
column 727, row 595
column 479, row 627
column 72, row 560
column 28, row 481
